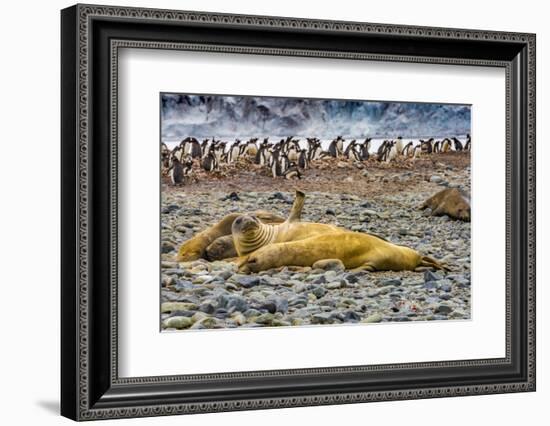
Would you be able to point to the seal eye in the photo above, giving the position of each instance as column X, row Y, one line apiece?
column 239, row 220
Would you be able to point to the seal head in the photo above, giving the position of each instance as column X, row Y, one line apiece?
column 249, row 234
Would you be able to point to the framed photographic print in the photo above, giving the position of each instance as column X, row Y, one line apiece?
column 263, row 212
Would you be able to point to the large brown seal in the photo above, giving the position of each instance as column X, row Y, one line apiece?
column 251, row 234
column 196, row 247
column 353, row 249
column 451, row 202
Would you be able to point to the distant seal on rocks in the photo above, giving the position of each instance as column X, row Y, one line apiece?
column 196, row 247
column 353, row 249
column 451, row 202
column 250, row 233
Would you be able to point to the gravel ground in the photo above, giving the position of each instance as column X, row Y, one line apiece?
column 383, row 201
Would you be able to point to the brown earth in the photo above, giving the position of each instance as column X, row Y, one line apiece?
column 368, row 178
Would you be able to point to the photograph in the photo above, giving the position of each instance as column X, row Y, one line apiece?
column 288, row 212
column 265, row 209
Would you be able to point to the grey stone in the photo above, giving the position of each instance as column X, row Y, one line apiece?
column 390, row 281
column 236, row 303
column 183, row 285
column 444, row 309
column 322, row 318
column 373, row 318
column 431, row 276
column 319, row 291
column 179, row 322
column 246, row 281
column 167, row 247
column 430, row 285
column 335, row 285
column 351, row 316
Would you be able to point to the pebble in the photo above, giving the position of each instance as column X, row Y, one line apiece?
column 247, row 281
column 319, row 291
column 391, row 281
column 334, row 285
column 373, row 318
column 323, row 318
column 179, row 322
column 215, row 295
column 444, row 309
column 431, row 276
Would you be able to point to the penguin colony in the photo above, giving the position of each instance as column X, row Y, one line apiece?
column 287, row 158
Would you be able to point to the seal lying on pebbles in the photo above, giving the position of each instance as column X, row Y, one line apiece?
column 353, row 249
column 251, row 234
column 451, row 202
column 196, row 247
column 217, row 243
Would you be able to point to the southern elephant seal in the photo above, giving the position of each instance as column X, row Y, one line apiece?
column 354, row 249
column 451, row 202
column 251, row 234
column 195, row 248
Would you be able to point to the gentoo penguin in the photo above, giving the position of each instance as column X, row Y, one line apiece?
column 191, row 146
column 349, row 148
column 340, row 145
column 446, row 145
column 364, row 149
column 392, row 151
column 284, row 161
column 293, row 152
column 204, row 145
column 176, row 173
column 219, row 151
column 387, row 148
column 468, row 145
column 303, row 161
column 187, row 165
column 336, row 147
column 292, row 172
column 315, row 150
column 209, row 162
column 164, row 155
column 259, row 155
column 276, row 169
column 436, row 147
column 407, row 150
column 332, row 150
column 381, row 149
column 399, row 145
column 458, row 144
column 426, row 146
column 242, row 149
column 233, row 153
column 251, row 147
column 356, row 153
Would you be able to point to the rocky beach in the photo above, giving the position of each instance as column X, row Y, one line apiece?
column 367, row 197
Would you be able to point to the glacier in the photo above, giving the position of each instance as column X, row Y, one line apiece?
column 221, row 116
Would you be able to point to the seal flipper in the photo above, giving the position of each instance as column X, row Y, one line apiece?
column 365, row 267
column 430, row 262
column 296, row 211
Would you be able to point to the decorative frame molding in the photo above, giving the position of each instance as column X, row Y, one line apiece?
column 85, row 396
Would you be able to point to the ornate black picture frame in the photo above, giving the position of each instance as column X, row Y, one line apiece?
column 91, row 36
